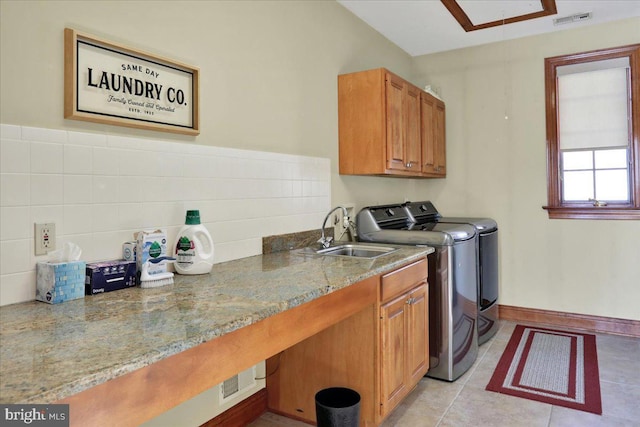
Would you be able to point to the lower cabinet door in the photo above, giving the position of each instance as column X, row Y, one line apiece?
column 418, row 334
column 393, row 352
column 404, row 345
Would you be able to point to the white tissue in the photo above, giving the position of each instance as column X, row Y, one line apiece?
column 69, row 252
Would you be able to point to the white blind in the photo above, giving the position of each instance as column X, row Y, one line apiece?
column 593, row 106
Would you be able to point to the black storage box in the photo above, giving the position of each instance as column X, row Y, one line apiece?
column 107, row 276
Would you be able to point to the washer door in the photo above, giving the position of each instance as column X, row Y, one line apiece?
column 489, row 282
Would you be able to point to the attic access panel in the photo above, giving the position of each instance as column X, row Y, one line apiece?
column 478, row 15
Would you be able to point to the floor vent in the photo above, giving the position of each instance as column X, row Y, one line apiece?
column 572, row 18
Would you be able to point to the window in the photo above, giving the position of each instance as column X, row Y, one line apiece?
column 593, row 134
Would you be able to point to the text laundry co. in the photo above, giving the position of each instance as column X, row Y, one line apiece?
column 132, row 86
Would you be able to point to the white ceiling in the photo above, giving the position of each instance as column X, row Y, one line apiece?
column 420, row 27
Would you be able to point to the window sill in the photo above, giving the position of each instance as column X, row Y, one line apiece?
column 592, row 212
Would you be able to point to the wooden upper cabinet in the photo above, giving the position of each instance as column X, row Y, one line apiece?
column 382, row 126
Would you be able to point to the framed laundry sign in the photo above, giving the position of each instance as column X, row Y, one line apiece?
column 105, row 82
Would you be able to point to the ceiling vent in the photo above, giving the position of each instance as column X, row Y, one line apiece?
column 572, row 18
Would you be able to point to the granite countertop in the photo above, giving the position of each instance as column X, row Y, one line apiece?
column 50, row 352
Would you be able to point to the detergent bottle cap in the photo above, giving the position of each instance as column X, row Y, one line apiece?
column 193, row 217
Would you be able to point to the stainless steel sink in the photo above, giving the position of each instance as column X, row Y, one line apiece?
column 357, row 251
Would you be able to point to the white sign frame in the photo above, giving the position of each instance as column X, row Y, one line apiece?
column 105, row 82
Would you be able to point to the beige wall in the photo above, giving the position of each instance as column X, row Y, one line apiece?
column 497, row 168
column 269, row 83
column 268, row 70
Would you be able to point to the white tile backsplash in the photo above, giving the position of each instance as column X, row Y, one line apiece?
column 78, row 219
column 10, row 132
column 15, row 256
column 14, row 223
column 14, row 189
column 47, row 213
column 227, row 251
column 87, row 139
column 44, row 135
column 46, row 189
column 106, row 217
column 14, row 156
column 18, row 287
column 47, row 158
column 78, row 159
column 105, row 189
column 100, row 189
column 77, row 189
column 133, row 163
column 105, row 161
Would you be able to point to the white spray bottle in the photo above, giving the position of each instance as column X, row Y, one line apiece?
column 194, row 246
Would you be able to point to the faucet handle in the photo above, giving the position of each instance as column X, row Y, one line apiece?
column 325, row 242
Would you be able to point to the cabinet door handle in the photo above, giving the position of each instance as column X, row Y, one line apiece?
column 411, row 300
column 409, row 165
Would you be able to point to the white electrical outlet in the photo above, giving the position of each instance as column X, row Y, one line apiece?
column 338, row 221
column 44, row 237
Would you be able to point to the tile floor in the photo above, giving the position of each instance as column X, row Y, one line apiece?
column 465, row 402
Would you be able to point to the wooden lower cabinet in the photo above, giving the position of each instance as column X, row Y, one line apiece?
column 381, row 352
column 404, row 344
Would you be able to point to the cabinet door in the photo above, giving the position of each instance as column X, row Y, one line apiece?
column 440, row 139
column 418, row 334
column 393, row 352
column 427, row 113
column 413, row 139
column 433, row 135
column 395, row 122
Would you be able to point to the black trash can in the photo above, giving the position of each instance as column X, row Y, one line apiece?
column 338, row 407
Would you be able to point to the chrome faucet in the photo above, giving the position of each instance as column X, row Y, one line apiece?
column 346, row 223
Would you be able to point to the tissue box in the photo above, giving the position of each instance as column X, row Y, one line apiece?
column 151, row 244
column 107, row 276
column 59, row 282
